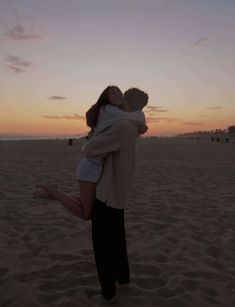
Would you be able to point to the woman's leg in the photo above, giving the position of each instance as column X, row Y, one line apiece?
column 87, row 196
column 75, row 205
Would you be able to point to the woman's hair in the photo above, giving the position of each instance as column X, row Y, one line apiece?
column 93, row 113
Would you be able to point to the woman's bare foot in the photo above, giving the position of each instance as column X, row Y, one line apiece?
column 39, row 193
column 45, row 191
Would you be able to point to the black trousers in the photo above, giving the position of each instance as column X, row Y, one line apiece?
column 109, row 244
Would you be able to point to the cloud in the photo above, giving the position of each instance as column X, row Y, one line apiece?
column 16, row 64
column 20, row 27
column 158, row 119
column 199, row 42
column 57, row 97
column 193, row 123
column 215, row 108
column 154, row 109
column 20, row 33
column 75, row 116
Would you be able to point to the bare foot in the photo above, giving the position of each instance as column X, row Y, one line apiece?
column 45, row 191
column 40, row 194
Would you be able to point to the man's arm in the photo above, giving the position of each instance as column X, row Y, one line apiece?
column 104, row 143
column 108, row 141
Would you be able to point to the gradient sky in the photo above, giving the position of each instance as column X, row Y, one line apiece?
column 57, row 56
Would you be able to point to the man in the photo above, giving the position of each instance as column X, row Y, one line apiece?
column 118, row 145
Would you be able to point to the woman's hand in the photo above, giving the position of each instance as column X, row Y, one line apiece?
column 143, row 129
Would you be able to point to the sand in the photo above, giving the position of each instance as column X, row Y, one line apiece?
column 179, row 223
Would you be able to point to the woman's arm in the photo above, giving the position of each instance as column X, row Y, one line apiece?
column 143, row 129
column 112, row 115
column 136, row 117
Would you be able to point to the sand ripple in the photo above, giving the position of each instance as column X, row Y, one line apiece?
column 179, row 221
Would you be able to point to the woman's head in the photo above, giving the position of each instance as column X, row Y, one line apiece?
column 111, row 95
column 115, row 96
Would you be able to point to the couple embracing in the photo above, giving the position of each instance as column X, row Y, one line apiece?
column 104, row 175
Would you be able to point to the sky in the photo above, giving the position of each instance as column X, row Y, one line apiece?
column 56, row 57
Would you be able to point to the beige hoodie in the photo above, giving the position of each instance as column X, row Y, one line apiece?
column 117, row 145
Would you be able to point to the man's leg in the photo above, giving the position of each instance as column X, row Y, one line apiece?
column 103, row 238
column 123, row 272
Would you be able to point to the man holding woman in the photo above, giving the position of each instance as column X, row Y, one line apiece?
column 116, row 145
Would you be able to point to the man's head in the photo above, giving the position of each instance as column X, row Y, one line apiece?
column 136, row 99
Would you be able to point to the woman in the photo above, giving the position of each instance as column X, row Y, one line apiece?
column 110, row 108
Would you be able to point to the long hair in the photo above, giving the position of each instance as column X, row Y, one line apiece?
column 93, row 113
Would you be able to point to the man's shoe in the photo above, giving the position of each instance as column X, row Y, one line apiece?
column 125, row 286
column 98, row 299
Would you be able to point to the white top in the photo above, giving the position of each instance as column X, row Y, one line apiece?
column 110, row 115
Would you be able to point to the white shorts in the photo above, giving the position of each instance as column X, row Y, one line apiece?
column 89, row 169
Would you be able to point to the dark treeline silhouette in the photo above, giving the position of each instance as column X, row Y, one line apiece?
column 216, row 134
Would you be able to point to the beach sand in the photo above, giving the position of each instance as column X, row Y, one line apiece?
column 180, row 224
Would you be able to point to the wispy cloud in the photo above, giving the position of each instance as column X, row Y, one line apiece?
column 199, row 42
column 20, row 33
column 57, row 97
column 75, row 116
column 215, row 108
column 193, row 123
column 159, row 119
column 153, row 109
column 20, row 28
column 16, row 64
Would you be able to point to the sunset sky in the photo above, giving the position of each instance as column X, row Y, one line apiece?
column 57, row 56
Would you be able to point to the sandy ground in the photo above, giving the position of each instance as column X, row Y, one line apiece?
column 180, row 223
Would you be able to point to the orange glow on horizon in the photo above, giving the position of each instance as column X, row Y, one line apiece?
column 71, row 127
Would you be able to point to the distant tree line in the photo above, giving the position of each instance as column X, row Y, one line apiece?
column 229, row 132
